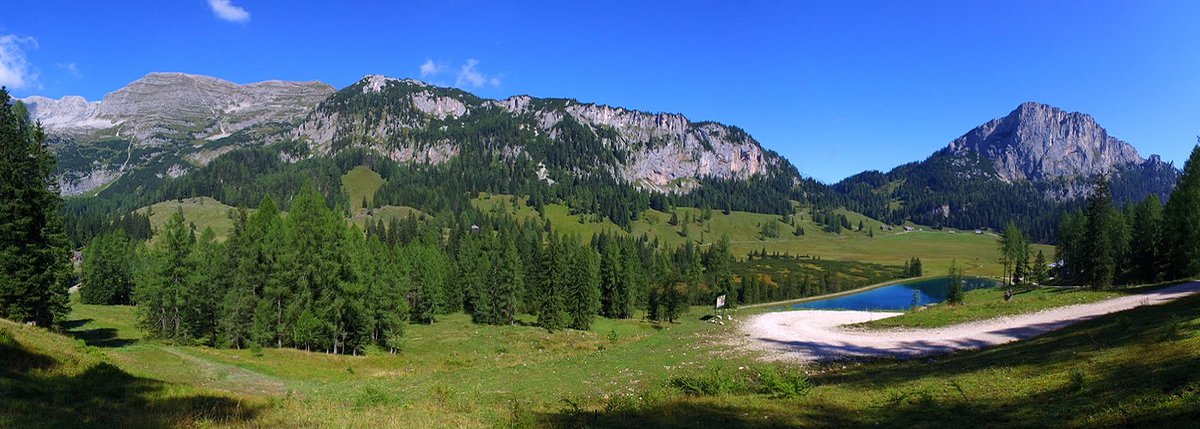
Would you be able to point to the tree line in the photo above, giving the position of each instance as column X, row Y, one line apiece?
column 1142, row 242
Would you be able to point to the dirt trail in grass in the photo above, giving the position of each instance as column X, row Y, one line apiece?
column 809, row 335
column 227, row 377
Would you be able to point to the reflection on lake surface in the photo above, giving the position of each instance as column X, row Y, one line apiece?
column 897, row 297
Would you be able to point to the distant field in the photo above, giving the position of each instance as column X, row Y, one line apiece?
column 203, row 212
column 977, row 253
column 361, row 182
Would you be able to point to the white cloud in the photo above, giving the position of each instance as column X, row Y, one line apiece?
column 71, row 68
column 225, row 10
column 468, row 76
column 429, row 68
column 15, row 70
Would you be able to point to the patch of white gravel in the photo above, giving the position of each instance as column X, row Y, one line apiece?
column 814, row 335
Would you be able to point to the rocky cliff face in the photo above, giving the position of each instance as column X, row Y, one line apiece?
column 172, row 115
column 1037, row 142
column 411, row 120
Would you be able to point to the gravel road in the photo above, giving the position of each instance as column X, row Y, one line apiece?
column 812, row 335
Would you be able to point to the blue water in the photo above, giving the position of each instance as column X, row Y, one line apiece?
column 895, row 297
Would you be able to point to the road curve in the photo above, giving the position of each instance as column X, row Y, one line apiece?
column 813, row 335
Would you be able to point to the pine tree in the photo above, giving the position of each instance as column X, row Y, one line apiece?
column 270, row 259
column 242, row 276
column 1100, row 264
column 162, row 297
column 428, row 270
column 203, row 294
column 1012, row 248
column 1040, row 276
column 108, row 270
column 1146, row 239
column 507, row 280
column 34, row 262
column 552, row 312
column 1181, row 221
column 955, row 293
column 583, row 286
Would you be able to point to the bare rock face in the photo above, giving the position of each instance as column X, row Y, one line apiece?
column 663, row 150
column 177, row 114
column 175, row 122
column 1037, row 142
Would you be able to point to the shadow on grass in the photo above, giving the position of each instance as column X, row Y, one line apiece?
column 38, row 391
column 96, row 337
column 1133, row 369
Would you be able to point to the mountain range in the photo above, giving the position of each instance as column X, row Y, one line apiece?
column 1035, row 160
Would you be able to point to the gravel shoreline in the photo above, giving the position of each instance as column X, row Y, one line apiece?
column 815, row 335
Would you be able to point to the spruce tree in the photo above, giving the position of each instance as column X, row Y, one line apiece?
column 1146, row 239
column 552, row 312
column 34, row 261
column 1040, row 276
column 1100, row 263
column 583, row 288
column 507, row 280
column 1181, row 222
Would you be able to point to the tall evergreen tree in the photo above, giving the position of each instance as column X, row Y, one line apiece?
column 1146, row 240
column 507, row 279
column 955, row 293
column 204, row 295
column 34, row 264
column 162, row 297
column 1100, row 264
column 583, row 286
column 1181, row 221
column 108, row 270
column 552, row 311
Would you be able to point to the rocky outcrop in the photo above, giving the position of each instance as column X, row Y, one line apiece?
column 165, row 107
column 663, row 149
column 177, row 114
column 1037, row 142
column 191, row 119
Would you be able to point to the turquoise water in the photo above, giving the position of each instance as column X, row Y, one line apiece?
column 895, row 297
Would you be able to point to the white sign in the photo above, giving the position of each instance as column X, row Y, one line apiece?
column 720, row 301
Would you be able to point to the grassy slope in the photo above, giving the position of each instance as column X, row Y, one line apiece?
column 202, row 211
column 937, row 249
column 1131, row 367
column 51, row 381
column 361, row 182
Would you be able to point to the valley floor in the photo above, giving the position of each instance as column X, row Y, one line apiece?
column 808, row 335
column 1129, row 369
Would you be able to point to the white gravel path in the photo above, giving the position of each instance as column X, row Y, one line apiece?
column 811, row 335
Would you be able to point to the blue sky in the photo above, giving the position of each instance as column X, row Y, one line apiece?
column 836, row 87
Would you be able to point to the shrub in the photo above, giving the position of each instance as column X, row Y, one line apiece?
column 788, row 383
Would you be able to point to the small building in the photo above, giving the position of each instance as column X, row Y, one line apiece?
column 908, row 229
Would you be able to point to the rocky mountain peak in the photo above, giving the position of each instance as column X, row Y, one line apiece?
column 1038, row 142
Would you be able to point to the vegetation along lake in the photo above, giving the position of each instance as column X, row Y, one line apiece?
column 899, row 296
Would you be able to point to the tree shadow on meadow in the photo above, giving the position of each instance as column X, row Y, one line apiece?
column 1148, row 378
column 96, row 337
column 38, row 391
